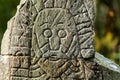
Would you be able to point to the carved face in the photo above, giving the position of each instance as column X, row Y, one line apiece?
column 55, row 34
column 55, row 40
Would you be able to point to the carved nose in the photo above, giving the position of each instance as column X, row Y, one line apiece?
column 55, row 43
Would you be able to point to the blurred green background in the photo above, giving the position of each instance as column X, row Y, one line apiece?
column 107, row 25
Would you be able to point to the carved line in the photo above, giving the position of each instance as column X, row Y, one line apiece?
column 56, row 18
column 36, row 60
column 44, row 1
column 84, row 26
column 36, row 78
column 88, row 13
column 87, row 39
column 72, row 43
column 37, row 43
column 20, row 47
column 37, row 40
column 35, row 6
column 35, row 67
column 80, row 13
column 83, row 22
column 35, row 9
column 19, row 77
column 67, row 3
column 83, row 32
column 23, row 68
column 53, row 9
column 44, row 23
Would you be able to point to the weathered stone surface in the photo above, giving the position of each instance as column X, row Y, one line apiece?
column 14, row 66
column 109, row 70
column 50, row 40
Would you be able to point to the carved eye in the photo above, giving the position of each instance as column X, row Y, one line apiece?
column 48, row 33
column 61, row 33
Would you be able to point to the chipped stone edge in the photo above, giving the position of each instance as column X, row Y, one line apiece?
column 110, row 70
column 101, row 60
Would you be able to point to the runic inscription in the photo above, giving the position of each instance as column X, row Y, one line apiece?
column 51, row 40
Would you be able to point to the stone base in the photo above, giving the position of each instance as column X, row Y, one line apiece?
column 26, row 68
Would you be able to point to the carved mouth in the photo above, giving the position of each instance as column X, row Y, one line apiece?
column 55, row 55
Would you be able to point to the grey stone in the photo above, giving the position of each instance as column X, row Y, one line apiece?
column 51, row 40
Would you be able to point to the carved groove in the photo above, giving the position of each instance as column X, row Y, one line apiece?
column 56, row 39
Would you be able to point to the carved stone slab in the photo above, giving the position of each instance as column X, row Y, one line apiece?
column 51, row 40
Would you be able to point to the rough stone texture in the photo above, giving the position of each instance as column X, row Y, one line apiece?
column 50, row 40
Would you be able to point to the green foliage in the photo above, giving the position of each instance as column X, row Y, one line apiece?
column 107, row 27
